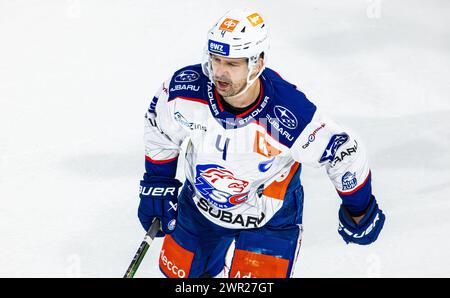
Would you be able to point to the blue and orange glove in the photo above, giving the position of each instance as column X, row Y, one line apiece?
column 368, row 228
column 159, row 196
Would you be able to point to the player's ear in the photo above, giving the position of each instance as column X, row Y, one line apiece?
column 261, row 61
column 259, row 65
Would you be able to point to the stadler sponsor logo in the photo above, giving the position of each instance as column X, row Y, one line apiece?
column 211, row 99
column 187, row 76
column 238, row 121
column 254, row 113
column 286, row 117
column 171, row 266
column 349, row 181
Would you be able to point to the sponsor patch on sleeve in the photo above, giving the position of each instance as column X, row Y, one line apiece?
column 335, row 142
column 349, row 181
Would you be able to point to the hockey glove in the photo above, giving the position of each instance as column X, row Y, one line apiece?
column 368, row 228
column 159, row 200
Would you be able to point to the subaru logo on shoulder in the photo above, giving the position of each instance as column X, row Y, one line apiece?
column 286, row 117
column 187, row 76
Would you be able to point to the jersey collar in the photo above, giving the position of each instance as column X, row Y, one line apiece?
column 231, row 121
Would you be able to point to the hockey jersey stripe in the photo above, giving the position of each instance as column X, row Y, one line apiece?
column 168, row 169
column 162, row 161
column 219, row 103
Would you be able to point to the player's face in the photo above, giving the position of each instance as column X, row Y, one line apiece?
column 229, row 75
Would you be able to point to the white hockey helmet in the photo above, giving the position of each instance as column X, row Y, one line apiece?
column 240, row 33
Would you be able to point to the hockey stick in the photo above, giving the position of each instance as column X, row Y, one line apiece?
column 151, row 233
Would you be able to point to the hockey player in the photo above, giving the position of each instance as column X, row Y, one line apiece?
column 249, row 133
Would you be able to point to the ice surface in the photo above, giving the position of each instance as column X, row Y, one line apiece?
column 75, row 80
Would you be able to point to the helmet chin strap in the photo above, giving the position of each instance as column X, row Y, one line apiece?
column 249, row 82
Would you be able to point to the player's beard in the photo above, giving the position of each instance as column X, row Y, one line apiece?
column 231, row 88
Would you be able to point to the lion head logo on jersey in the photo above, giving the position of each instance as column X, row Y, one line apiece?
column 220, row 186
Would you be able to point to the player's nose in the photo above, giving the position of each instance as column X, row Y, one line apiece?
column 221, row 70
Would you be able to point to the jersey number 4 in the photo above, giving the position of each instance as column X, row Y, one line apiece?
column 222, row 147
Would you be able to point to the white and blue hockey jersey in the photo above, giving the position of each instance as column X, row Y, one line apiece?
column 241, row 166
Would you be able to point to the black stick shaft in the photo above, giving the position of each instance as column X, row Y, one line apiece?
column 151, row 233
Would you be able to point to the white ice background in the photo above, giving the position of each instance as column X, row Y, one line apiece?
column 75, row 80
